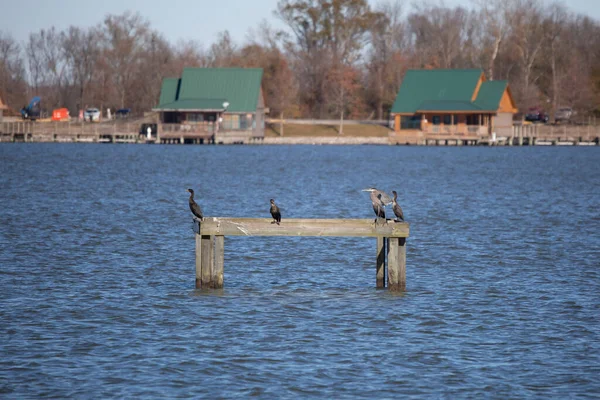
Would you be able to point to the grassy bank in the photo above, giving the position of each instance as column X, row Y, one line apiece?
column 298, row 130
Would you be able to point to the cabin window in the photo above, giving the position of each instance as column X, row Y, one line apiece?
column 410, row 122
column 436, row 119
column 171, row 118
column 231, row 121
column 246, row 121
column 195, row 117
column 447, row 119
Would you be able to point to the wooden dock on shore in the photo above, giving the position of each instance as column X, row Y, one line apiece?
column 391, row 243
column 521, row 135
column 131, row 132
column 84, row 132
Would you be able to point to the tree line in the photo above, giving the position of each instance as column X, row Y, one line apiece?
column 337, row 58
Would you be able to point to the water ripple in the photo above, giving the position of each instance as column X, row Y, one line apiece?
column 97, row 267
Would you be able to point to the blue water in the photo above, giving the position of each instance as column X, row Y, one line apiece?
column 97, row 295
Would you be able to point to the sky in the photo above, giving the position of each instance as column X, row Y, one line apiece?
column 199, row 20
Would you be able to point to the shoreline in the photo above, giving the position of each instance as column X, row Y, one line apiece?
column 337, row 141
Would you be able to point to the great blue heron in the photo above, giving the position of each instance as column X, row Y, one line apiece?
column 275, row 213
column 194, row 207
column 380, row 200
column 396, row 207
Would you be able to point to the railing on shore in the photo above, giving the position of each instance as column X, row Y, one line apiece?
column 66, row 128
column 478, row 130
column 200, row 128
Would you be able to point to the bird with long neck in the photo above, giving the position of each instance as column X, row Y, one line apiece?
column 275, row 213
column 379, row 200
column 396, row 207
column 194, row 207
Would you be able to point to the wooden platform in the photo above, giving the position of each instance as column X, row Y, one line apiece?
column 391, row 243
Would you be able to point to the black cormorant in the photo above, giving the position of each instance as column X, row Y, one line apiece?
column 396, row 207
column 275, row 213
column 194, row 207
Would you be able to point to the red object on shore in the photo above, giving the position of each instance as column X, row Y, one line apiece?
column 60, row 114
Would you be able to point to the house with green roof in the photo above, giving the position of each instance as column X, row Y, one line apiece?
column 213, row 104
column 453, row 102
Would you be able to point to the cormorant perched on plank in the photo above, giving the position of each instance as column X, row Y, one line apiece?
column 379, row 200
column 194, row 207
column 396, row 207
column 275, row 213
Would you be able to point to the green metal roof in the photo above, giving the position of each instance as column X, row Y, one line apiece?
column 240, row 87
column 168, row 92
column 447, row 105
column 195, row 104
column 444, row 90
column 490, row 94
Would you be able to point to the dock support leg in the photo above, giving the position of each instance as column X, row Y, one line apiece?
column 207, row 260
column 198, row 261
column 381, row 261
column 397, row 264
column 217, row 279
column 402, row 263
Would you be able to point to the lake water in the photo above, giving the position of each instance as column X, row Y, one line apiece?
column 97, row 295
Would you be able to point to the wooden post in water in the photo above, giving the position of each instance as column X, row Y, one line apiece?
column 380, row 267
column 198, row 261
column 397, row 264
column 207, row 259
column 217, row 278
column 210, row 243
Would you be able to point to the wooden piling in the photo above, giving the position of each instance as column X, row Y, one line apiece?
column 380, row 264
column 198, row 261
column 397, row 264
column 393, row 263
column 217, row 279
column 402, row 263
column 207, row 258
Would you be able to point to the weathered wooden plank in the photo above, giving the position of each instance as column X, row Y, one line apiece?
column 217, row 279
column 380, row 264
column 198, row 261
column 302, row 227
column 397, row 264
column 402, row 263
column 207, row 260
column 393, row 261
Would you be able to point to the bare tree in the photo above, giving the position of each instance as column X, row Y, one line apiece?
column 386, row 63
column 528, row 36
column 81, row 50
column 156, row 62
column 439, row 34
column 326, row 34
column 12, row 72
column 189, row 54
column 555, row 25
column 124, row 37
column 47, row 66
column 344, row 92
column 495, row 26
column 279, row 83
column 223, row 53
